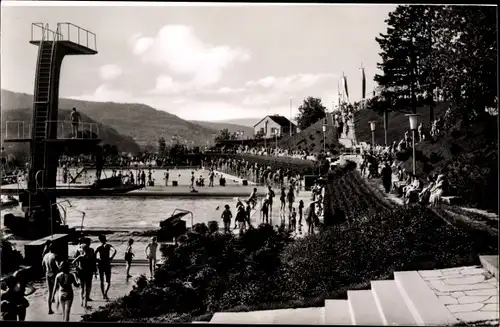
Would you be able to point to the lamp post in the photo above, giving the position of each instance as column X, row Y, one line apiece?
column 324, row 137
column 372, row 127
column 413, row 126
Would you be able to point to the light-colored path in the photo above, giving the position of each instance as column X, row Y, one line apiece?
column 38, row 311
column 469, row 293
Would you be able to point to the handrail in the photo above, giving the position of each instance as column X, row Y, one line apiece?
column 89, row 35
column 36, row 179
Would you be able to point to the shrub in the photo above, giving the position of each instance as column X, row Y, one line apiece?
column 266, row 269
column 213, row 226
column 11, row 259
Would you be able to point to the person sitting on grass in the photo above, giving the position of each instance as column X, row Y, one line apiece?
column 150, row 252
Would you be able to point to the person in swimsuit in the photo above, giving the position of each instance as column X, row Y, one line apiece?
column 128, row 256
column 75, row 120
column 150, row 251
column 51, row 268
column 104, row 264
column 64, row 283
column 86, row 268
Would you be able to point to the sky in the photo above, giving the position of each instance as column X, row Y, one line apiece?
column 210, row 62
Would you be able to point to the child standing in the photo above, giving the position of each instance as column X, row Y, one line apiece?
column 293, row 220
column 226, row 218
column 151, row 255
column 128, row 256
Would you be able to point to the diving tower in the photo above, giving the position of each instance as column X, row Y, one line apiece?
column 47, row 135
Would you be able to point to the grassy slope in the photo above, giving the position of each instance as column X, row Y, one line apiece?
column 469, row 154
column 248, row 131
column 143, row 123
column 398, row 124
column 107, row 134
column 311, row 139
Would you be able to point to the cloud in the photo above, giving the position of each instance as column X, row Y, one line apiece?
column 104, row 93
column 269, row 90
column 110, row 72
column 177, row 49
column 290, row 83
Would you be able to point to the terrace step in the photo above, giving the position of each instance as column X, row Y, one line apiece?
column 391, row 305
column 421, row 300
column 490, row 264
column 307, row 316
column 337, row 312
column 364, row 310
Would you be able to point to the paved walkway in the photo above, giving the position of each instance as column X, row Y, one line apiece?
column 38, row 311
column 469, row 293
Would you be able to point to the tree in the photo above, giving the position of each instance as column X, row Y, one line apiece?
column 406, row 49
column 311, row 111
column 162, row 145
column 224, row 135
column 466, row 52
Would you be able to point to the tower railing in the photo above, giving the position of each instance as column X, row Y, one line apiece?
column 85, row 130
column 65, row 31
column 42, row 32
column 78, row 35
column 17, row 129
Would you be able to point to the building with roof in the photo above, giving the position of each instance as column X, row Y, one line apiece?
column 272, row 125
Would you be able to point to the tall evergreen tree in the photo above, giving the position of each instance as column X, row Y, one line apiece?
column 406, row 48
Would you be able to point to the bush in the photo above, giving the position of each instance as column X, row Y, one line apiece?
column 11, row 259
column 266, row 269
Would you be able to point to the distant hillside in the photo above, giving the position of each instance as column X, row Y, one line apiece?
column 249, row 122
column 141, row 122
column 398, row 123
column 311, row 139
column 108, row 135
column 217, row 126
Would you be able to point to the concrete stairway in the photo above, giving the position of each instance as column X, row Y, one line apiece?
column 412, row 299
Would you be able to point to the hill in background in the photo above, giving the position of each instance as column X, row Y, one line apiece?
column 249, row 122
column 141, row 122
column 107, row 134
column 232, row 128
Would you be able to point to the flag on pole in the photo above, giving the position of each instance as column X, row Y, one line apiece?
column 363, row 82
column 338, row 92
column 345, row 87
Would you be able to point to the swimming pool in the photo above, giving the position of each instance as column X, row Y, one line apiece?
column 182, row 176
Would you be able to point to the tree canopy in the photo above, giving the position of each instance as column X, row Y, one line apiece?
column 310, row 111
column 434, row 53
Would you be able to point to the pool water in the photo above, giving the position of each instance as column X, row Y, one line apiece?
column 143, row 212
column 182, row 176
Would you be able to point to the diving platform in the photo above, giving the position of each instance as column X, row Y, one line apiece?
column 75, row 39
column 19, row 132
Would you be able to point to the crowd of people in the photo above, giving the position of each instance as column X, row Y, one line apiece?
column 62, row 276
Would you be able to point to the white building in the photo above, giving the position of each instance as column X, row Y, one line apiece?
column 271, row 125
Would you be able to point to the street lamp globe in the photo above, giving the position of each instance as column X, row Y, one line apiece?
column 413, row 121
column 372, row 125
column 324, row 128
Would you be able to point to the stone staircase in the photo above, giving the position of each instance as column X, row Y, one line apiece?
column 412, row 298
